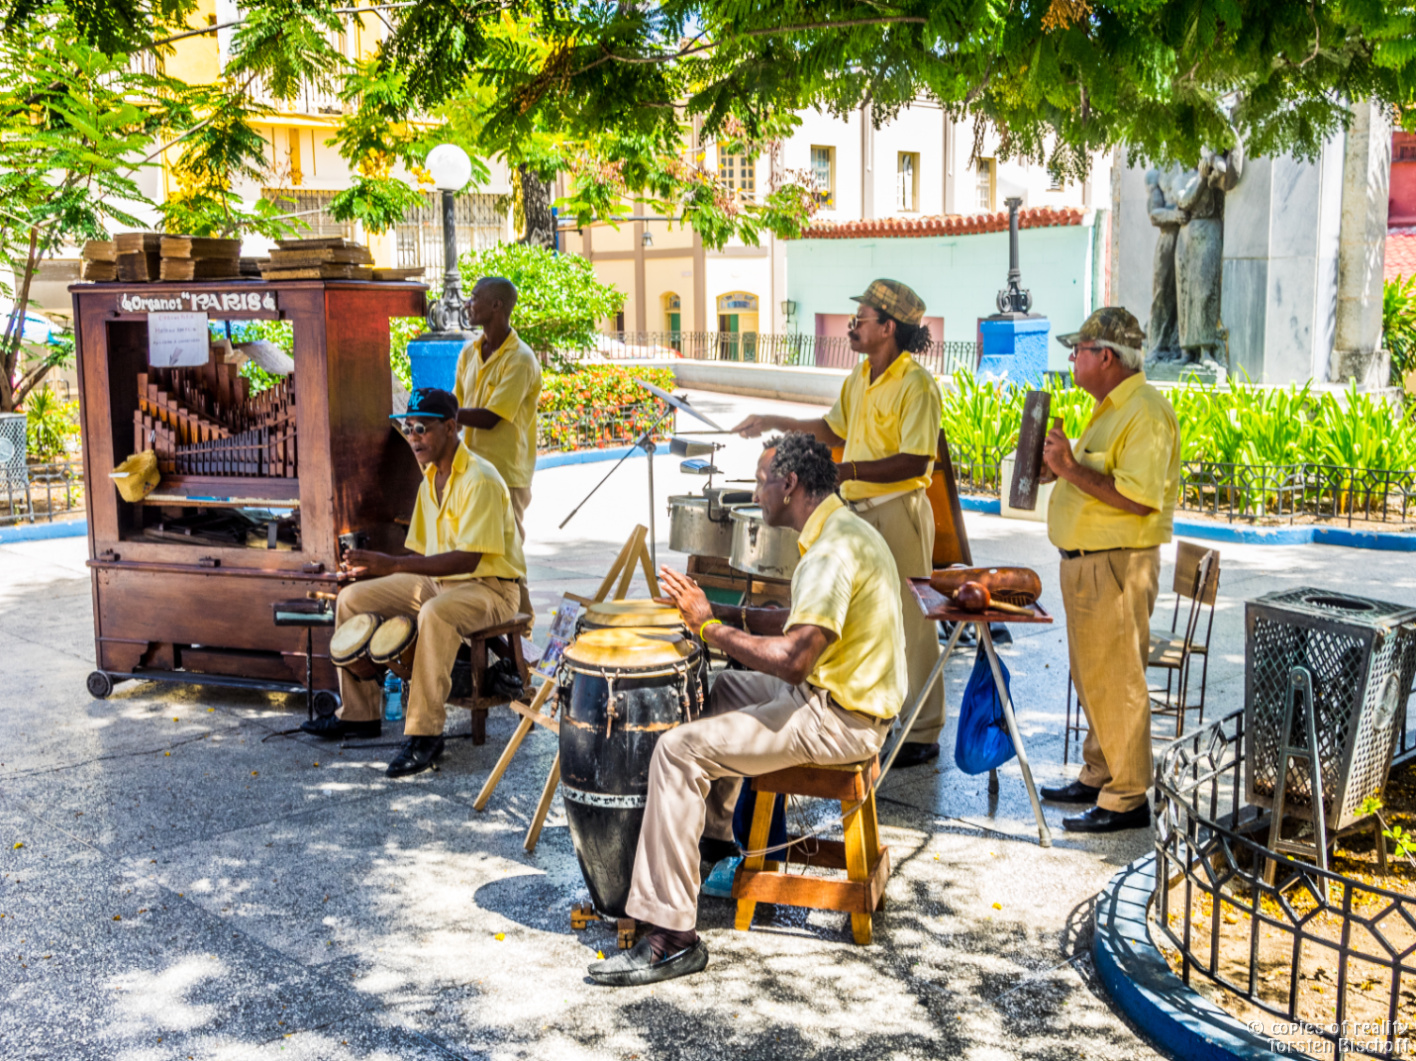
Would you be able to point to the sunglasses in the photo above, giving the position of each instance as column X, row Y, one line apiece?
column 858, row 320
column 416, row 427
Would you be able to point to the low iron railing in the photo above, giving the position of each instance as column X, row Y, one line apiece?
column 563, row 430
column 50, row 490
column 767, row 348
column 1282, row 948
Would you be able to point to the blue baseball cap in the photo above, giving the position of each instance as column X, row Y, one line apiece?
column 429, row 402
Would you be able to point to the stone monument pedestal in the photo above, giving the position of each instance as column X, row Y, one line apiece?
column 1015, row 348
column 1206, row 371
column 433, row 357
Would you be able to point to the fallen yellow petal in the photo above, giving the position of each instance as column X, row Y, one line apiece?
column 500, row 935
column 600, row 954
column 117, row 917
column 18, row 844
column 255, row 773
column 166, row 753
column 998, row 906
column 174, row 718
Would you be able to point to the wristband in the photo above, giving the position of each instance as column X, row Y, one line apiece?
column 705, row 626
column 855, row 472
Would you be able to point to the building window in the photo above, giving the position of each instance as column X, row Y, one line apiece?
column 985, row 185
column 738, row 172
column 823, row 175
column 311, row 209
column 480, row 224
column 907, row 181
column 1054, row 181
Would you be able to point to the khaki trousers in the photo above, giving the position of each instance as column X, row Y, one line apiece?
column 520, row 501
column 907, row 525
column 446, row 611
column 1109, row 597
column 753, row 724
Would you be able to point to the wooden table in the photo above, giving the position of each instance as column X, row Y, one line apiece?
column 940, row 608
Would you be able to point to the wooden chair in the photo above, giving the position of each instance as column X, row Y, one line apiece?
column 866, row 862
column 507, row 637
column 1196, row 580
column 1174, row 650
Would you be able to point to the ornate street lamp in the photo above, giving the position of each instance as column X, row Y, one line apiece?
column 450, row 169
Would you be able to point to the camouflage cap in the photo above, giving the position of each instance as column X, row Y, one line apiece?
column 893, row 298
column 1109, row 326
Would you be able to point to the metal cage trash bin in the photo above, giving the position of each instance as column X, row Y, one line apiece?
column 1361, row 654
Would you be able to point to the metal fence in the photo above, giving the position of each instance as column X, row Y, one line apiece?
column 1272, row 944
column 767, row 348
column 1251, row 491
column 47, row 491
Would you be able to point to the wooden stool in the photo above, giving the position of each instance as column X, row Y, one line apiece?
column 866, row 862
column 518, row 626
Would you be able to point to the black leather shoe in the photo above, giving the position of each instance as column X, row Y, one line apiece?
column 416, row 755
column 1100, row 820
column 1076, row 792
column 637, row 965
column 916, row 753
column 332, row 727
column 712, row 850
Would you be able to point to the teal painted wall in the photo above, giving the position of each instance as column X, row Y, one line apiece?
column 958, row 277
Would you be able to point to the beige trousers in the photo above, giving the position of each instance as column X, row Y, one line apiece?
column 907, row 525
column 753, row 724
column 1109, row 597
column 520, row 501
column 446, row 611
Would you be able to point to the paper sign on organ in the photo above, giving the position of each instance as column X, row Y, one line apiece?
column 177, row 340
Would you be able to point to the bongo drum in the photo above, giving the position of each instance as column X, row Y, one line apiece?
column 349, row 645
column 394, row 645
column 621, row 690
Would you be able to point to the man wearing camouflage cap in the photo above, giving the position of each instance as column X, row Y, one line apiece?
column 887, row 418
column 1110, row 512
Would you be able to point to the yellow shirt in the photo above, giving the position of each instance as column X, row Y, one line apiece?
column 898, row 413
column 474, row 517
column 1133, row 436
column 846, row 583
column 509, row 384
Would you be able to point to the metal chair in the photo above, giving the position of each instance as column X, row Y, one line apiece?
column 1196, row 580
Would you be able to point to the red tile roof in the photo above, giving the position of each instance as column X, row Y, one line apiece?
column 1400, row 254
column 949, row 225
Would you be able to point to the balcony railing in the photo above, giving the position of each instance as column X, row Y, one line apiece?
column 764, row 348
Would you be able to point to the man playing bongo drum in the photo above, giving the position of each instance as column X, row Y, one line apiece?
column 460, row 574
column 824, row 692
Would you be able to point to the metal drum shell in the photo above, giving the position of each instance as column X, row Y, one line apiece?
column 605, row 761
column 762, row 550
column 693, row 531
column 357, row 662
column 397, row 657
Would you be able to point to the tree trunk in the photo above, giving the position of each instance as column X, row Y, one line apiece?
column 15, row 330
column 536, row 205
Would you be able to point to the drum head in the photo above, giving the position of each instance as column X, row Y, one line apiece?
column 392, row 637
column 625, row 649
column 632, row 613
column 352, row 637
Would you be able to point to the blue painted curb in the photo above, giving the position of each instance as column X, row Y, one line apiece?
column 34, row 532
column 585, row 456
column 1344, row 537
column 1139, row 981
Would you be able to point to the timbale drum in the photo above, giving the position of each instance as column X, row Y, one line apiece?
column 762, row 550
column 621, row 690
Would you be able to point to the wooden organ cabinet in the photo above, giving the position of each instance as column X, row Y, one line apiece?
column 256, row 488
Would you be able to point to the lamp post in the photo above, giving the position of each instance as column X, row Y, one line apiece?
column 1014, row 298
column 450, row 169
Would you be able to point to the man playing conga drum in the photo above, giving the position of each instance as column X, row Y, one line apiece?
column 887, row 417
column 824, row 692
column 459, row 574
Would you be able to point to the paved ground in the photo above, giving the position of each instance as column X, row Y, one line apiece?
column 191, row 886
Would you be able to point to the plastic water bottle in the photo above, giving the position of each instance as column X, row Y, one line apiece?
column 392, row 698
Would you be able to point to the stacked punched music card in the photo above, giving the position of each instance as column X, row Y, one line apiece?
column 205, row 421
column 139, row 256
column 194, row 258
column 326, row 258
column 100, row 261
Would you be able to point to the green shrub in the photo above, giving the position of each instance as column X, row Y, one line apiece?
column 1399, row 324
column 49, row 424
column 601, row 387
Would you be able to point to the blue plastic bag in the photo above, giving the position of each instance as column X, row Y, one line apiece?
column 983, row 742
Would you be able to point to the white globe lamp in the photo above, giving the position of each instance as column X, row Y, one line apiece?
column 449, row 167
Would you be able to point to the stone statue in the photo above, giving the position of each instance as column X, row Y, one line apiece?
column 1197, row 196
column 1164, row 332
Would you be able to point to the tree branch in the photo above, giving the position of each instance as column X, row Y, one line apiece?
column 681, row 53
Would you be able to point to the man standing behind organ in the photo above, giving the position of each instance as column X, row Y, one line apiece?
column 460, row 574
column 1111, row 510
column 887, row 416
column 826, row 691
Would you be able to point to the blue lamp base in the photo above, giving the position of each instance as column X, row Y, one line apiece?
column 433, row 358
column 1014, row 349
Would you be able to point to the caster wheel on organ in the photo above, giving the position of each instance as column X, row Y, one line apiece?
column 100, row 685
column 326, row 703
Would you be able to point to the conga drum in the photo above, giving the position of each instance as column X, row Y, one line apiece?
column 394, row 644
column 349, row 646
column 621, row 690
